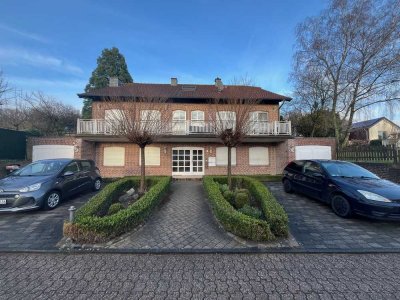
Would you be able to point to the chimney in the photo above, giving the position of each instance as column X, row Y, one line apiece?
column 219, row 84
column 113, row 82
column 174, row 81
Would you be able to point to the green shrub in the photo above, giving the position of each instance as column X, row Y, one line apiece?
column 241, row 200
column 230, row 196
column 375, row 143
column 251, row 211
column 114, row 208
column 231, row 219
column 223, row 188
column 92, row 225
column 274, row 213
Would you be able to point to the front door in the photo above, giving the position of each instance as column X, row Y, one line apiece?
column 187, row 161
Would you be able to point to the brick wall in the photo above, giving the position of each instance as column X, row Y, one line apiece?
column 132, row 166
column 386, row 171
column 98, row 109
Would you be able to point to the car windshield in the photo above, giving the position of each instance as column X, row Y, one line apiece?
column 40, row 168
column 344, row 169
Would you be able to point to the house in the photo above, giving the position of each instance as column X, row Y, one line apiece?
column 375, row 129
column 191, row 148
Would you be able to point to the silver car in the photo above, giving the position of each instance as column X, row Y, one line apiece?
column 44, row 183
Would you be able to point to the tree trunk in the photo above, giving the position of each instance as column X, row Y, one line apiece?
column 230, row 167
column 142, row 187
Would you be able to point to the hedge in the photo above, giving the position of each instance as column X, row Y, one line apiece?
column 92, row 225
column 275, row 225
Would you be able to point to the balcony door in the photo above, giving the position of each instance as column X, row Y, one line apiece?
column 179, row 122
column 187, row 161
column 259, row 122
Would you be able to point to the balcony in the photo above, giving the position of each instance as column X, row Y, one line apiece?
column 184, row 128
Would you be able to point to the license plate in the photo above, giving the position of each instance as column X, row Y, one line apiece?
column 3, row 201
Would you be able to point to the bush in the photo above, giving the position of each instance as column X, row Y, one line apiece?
column 92, row 225
column 230, row 196
column 251, row 211
column 241, row 200
column 274, row 213
column 223, row 188
column 375, row 143
column 231, row 219
column 114, row 208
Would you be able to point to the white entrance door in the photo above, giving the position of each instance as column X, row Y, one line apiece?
column 187, row 161
column 52, row 151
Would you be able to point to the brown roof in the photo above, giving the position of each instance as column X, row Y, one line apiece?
column 194, row 91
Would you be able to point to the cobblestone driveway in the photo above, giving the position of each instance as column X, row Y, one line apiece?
column 315, row 226
column 36, row 230
column 184, row 221
column 217, row 276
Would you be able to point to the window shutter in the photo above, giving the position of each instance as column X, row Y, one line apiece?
column 222, row 156
column 151, row 156
column 114, row 156
column 258, row 156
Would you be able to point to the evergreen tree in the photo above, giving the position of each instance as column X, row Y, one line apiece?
column 111, row 63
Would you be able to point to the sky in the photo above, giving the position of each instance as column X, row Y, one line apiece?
column 52, row 46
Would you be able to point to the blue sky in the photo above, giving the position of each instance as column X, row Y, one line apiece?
column 52, row 46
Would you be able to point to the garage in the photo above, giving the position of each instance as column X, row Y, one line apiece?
column 313, row 152
column 52, row 151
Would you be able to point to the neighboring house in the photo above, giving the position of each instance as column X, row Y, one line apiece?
column 190, row 149
column 376, row 129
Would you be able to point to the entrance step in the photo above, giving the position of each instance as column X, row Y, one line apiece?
column 187, row 177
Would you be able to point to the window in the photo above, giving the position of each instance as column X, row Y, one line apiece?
column 259, row 116
column 258, row 156
column 226, row 119
column 151, row 156
column 150, row 115
column 197, row 115
column 311, row 168
column 179, row 115
column 382, row 135
column 114, row 156
column 72, row 167
column 222, row 156
column 113, row 114
column 86, row 165
column 259, row 122
column 179, row 122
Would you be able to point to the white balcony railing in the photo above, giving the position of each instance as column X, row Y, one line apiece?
column 108, row 127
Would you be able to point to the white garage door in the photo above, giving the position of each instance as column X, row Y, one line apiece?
column 52, row 151
column 313, row 152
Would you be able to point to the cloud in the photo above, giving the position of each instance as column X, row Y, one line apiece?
column 18, row 56
column 24, row 34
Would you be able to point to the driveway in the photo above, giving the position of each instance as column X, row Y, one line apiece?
column 36, row 230
column 315, row 226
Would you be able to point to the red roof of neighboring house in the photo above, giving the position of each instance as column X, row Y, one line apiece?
column 194, row 91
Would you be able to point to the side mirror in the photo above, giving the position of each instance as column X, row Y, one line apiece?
column 68, row 173
column 318, row 175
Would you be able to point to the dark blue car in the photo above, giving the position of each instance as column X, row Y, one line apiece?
column 346, row 187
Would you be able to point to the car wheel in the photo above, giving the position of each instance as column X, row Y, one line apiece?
column 52, row 200
column 341, row 206
column 97, row 184
column 287, row 186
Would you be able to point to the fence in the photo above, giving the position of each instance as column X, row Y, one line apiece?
column 12, row 144
column 366, row 153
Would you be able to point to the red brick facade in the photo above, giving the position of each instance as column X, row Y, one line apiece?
column 279, row 155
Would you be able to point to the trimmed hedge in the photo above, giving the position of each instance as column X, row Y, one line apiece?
column 276, row 223
column 92, row 225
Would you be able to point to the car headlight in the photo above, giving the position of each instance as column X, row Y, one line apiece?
column 31, row 188
column 373, row 196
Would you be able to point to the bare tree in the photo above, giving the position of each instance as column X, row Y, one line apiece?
column 141, row 120
column 4, row 89
column 232, row 122
column 353, row 46
column 49, row 116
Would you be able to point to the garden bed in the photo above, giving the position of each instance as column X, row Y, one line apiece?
column 103, row 218
column 249, row 210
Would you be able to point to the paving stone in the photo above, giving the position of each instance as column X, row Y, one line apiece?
column 313, row 224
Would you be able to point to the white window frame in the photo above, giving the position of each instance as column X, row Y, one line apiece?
column 256, row 154
column 226, row 119
column 147, row 156
column 179, row 123
column 221, row 156
column 197, row 115
column 112, row 161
